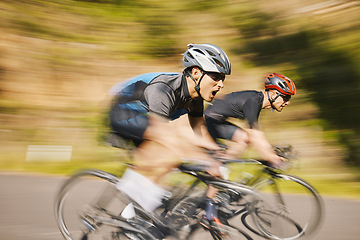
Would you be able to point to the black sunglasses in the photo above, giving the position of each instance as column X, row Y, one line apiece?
column 215, row 76
column 286, row 98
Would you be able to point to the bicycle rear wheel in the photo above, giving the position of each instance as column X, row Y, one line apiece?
column 291, row 209
column 88, row 206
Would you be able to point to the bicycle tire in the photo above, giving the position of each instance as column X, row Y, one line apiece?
column 292, row 208
column 88, row 205
column 262, row 215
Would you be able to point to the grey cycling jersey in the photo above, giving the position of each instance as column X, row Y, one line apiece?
column 165, row 94
column 243, row 105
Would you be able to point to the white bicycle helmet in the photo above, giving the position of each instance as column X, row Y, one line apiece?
column 208, row 57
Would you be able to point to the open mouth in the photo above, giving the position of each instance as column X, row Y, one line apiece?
column 213, row 93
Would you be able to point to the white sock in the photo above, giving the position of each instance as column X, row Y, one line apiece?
column 146, row 193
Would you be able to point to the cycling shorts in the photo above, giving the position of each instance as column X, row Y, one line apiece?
column 222, row 130
column 132, row 127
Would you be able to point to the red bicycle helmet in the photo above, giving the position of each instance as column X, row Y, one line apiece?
column 280, row 83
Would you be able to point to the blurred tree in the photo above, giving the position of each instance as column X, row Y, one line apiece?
column 1, row 80
column 157, row 19
column 104, row 1
column 203, row 5
column 330, row 75
column 253, row 23
column 160, row 27
column 159, row 40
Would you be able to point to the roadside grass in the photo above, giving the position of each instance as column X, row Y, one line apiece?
column 103, row 158
column 328, row 182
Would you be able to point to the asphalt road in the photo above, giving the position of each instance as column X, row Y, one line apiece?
column 26, row 211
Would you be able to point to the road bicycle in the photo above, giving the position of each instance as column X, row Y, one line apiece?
column 89, row 206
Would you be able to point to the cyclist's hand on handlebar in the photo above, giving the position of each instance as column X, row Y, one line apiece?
column 219, row 152
column 275, row 162
column 281, row 164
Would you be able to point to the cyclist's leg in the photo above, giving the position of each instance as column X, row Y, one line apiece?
column 131, row 124
column 145, row 192
column 239, row 141
column 211, row 210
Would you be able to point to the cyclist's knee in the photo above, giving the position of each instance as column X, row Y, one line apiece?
column 240, row 136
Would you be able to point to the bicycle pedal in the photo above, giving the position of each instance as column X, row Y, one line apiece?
column 214, row 225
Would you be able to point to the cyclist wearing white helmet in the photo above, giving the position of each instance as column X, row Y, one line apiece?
column 144, row 105
column 212, row 60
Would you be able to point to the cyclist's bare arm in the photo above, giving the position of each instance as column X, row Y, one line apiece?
column 161, row 131
column 203, row 139
column 166, row 143
column 258, row 140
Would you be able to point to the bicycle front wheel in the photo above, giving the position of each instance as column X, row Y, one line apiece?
column 88, row 205
column 291, row 209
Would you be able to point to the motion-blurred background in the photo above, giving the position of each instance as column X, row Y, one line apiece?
column 59, row 58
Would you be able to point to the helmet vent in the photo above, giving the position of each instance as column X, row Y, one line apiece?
column 190, row 55
column 218, row 63
column 211, row 53
column 199, row 51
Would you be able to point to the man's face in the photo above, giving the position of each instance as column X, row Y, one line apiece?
column 210, row 85
column 281, row 102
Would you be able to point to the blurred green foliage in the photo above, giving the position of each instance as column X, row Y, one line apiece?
column 160, row 27
column 322, row 52
column 330, row 73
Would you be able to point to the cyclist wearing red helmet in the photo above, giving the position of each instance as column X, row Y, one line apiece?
column 247, row 105
column 284, row 86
